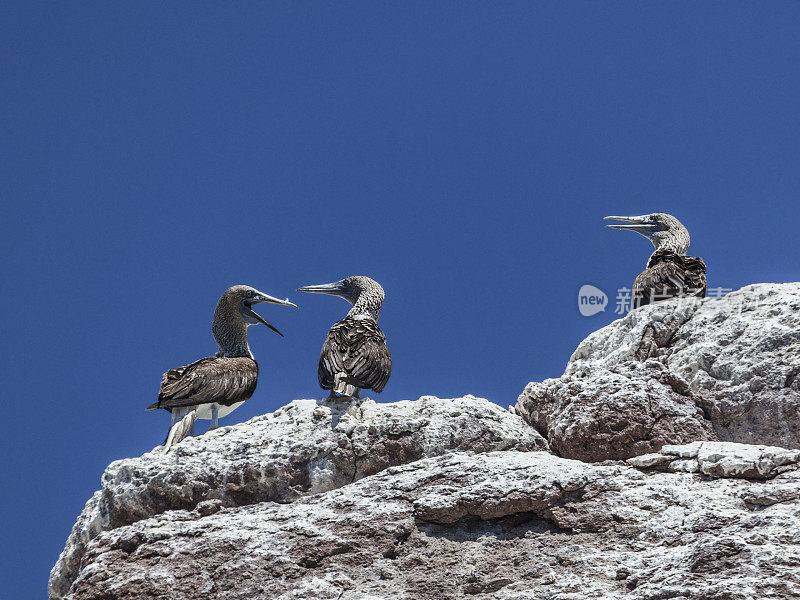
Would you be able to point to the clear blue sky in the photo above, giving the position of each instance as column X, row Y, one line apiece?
column 462, row 154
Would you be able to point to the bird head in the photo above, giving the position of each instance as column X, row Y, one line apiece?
column 240, row 299
column 663, row 230
column 356, row 289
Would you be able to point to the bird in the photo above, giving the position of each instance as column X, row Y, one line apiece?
column 213, row 387
column 670, row 272
column 355, row 355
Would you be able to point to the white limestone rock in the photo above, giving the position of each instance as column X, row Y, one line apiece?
column 721, row 459
column 453, row 499
column 502, row 525
column 306, row 447
column 675, row 372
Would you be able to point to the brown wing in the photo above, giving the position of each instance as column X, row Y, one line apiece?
column 357, row 347
column 222, row 380
column 669, row 275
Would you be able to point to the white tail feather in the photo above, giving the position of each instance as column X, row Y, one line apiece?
column 341, row 386
column 178, row 431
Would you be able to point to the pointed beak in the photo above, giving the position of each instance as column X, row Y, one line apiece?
column 267, row 299
column 641, row 224
column 263, row 298
column 261, row 319
column 336, row 288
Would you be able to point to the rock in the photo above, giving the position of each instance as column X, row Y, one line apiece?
column 725, row 459
column 720, row 459
column 452, row 499
column 612, row 415
column 502, row 525
column 645, row 461
column 675, row 372
column 306, row 447
column 684, row 451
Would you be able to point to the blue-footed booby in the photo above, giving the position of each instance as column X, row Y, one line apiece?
column 354, row 355
column 669, row 272
column 215, row 386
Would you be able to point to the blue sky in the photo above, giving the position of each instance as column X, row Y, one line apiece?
column 462, row 154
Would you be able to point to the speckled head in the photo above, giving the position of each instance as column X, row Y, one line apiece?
column 365, row 294
column 663, row 230
column 234, row 314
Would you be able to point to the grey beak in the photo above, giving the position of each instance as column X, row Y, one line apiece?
column 261, row 319
column 335, row 289
column 640, row 224
column 267, row 299
column 263, row 298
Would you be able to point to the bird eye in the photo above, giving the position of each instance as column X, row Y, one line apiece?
column 250, row 293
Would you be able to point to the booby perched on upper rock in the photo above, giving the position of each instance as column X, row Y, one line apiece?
column 354, row 355
column 213, row 387
column 669, row 271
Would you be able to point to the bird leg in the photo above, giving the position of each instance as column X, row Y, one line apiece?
column 214, row 417
column 183, row 424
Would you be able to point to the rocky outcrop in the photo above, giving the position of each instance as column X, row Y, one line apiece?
column 684, row 415
column 497, row 525
column 675, row 372
column 306, row 447
column 721, row 459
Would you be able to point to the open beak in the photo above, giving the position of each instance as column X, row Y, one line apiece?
column 262, row 298
column 335, row 289
column 641, row 224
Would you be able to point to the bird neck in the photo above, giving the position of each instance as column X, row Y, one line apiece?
column 674, row 241
column 230, row 332
column 368, row 304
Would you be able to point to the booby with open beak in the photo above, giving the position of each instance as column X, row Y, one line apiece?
column 213, row 387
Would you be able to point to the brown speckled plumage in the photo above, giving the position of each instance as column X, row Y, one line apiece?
column 670, row 272
column 227, row 378
column 355, row 353
column 215, row 385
